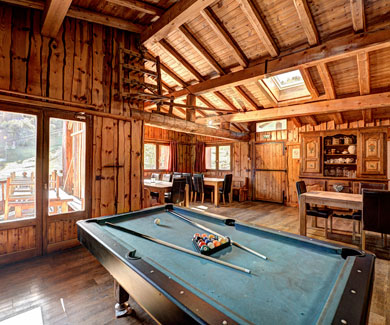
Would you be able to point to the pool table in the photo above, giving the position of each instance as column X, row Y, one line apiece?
column 303, row 281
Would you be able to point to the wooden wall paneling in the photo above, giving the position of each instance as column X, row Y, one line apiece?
column 107, row 64
column 5, row 46
column 136, row 179
column 120, row 177
column 97, row 66
column 3, row 242
column 69, row 46
column 19, row 48
column 292, row 175
column 56, row 66
column 34, row 65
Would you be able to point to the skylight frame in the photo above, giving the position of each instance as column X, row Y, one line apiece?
column 294, row 84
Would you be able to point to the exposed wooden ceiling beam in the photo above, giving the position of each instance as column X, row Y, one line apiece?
column 198, row 47
column 367, row 115
column 224, row 36
column 296, row 121
column 140, row 6
column 358, row 15
column 176, row 55
column 253, row 15
column 338, row 118
column 223, row 98
column 173, row 18
column 267, row 93
column 312, row 120
column 309, row 83
column 53, row 16
column 84, row 14
column 327, row 80
column 307, row 21
column 363, row 63
column 323, row 107
column 346, row 46
column 246, row 97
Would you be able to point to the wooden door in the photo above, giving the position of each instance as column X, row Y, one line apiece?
column 66, row 178
column 21, row 135
column 270, row 171
column 372, row 150
column 311, row 155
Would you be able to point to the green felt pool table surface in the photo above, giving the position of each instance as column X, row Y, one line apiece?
column 302, row 282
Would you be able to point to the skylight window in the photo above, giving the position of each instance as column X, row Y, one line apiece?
column 288, row 80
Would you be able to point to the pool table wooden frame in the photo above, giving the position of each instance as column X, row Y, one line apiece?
column 168, row 302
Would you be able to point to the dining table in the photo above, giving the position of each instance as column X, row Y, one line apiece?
column 216, row 183
column 162, row 187
column 329, row 199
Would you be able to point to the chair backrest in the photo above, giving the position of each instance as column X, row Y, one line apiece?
column 177, row 175
column 167, row 177
column 199, row 183
column 188, row 177
column 178, row 190
column 371, row 186
column 376, row 207
column 301, row 188
column 156, row 176
column 227, row 184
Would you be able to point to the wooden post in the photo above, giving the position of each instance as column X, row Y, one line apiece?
column 302, row 215
column 190, row 113
column 171, row 106
column 159, row 84
column 225, row 125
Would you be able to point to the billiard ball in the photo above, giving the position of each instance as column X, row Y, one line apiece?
column 204, row 235
column 210, row 245
column 211, row 236
column 205, row 249
column 197, row 235
column 201, row 243
column 157, row 221
column 223, row 240
column 216, row 243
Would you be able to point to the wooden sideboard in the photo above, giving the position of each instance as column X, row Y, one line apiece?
column 328, row 162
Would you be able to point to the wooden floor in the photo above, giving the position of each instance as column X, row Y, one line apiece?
column 86, row 289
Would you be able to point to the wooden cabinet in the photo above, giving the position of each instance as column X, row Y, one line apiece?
column 372, row 151
column 311, row 155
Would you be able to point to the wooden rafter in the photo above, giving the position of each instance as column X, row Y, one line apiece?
column 53, row 16
column 224, row 36
column 363, row 63
column 246, row 97
column 338, row 118
column 356, row 103
column 358, row 15
column 296, row 121
column 173, row 18
column 223, row 98
column 312, row 120
column 367, row 115
column 307, row 21
column 199, row 48
column 84, row 14
column 309, row 83
column 140, row 6
column 267, row 93
column 176, row 55
column 255, row 19
column 342, row 47
column 327, row 80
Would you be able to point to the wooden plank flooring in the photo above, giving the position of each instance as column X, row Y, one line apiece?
column 87, row 289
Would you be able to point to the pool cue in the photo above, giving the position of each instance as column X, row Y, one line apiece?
column 219, row 235
column 181, row 249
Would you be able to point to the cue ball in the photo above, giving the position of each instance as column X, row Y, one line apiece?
column 157, row 221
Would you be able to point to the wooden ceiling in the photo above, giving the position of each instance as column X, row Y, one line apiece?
column 219, row 50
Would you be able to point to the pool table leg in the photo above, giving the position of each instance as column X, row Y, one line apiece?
column 122, row 307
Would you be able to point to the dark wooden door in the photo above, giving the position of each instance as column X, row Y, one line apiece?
column 270, row 171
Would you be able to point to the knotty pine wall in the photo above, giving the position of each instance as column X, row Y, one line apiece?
column 80, row 65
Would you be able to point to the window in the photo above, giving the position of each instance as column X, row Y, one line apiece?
column 288, row 79
column 276, row 125
column 218, row 157
column 156, row 156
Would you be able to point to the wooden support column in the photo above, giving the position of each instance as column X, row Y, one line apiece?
column 326, row 80
column 190, row 112
column 53, row 16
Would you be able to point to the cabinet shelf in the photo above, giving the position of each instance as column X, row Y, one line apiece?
column 339, row 145
column 340, row 154
column 340, row 164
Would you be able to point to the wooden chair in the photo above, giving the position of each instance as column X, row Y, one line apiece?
column 241, row 188
column 199, row 186
column 176, row 175
column 156, row 176
column 375, row 217
column 226, row 190
column 316, row 212
column 188, row 177
column 177, row 196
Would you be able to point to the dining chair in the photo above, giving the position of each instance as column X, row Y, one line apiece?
column 226, row 190
column 177, row 194
column 375, row 217
column 156, row 176
column 199, row 186
column 167, row 177
column 177, row 175
column 313, row 211
column 188, row 177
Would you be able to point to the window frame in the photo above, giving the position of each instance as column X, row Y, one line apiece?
column 217, row 156
column 157, row 144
